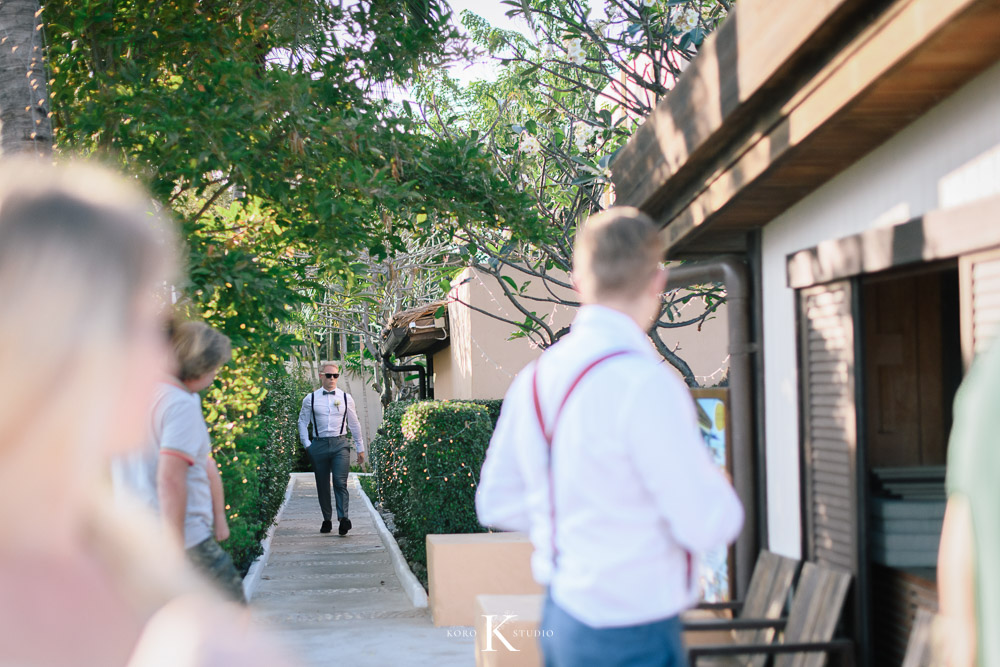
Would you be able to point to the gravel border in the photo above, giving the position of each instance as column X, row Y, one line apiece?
column 414, row 590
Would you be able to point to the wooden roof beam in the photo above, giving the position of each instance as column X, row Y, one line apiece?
column 763, row 47
column 912, row 57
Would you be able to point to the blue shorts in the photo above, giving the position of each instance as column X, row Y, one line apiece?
column 567, row 642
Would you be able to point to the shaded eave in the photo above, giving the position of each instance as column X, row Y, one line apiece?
column 416, row 331
column 786, row 95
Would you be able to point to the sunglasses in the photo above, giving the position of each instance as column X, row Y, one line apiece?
column 331, row 375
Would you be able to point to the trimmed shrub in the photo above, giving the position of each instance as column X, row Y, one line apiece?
column 386, row 457
column 241, row 482
column 493, row 405
column 426, row 459
column 255, row 468
column 444, row 447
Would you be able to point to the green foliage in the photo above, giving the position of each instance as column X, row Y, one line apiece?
column 239, row 465
column 446, row 444
column 569, row 94
column 367, row 483
column 256, row 463
column 263, row 126
column 492, row 405
column 274, row 107
column 386, row 455
column 427, row 470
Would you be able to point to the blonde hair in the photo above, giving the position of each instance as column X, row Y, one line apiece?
column 327, row 364
column 80, row 249
column 82, row 252
column 199, row 349
column 619, row 249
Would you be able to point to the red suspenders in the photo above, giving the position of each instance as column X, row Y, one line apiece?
column 549, row 433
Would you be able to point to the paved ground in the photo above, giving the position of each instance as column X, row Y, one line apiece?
column 337, row 600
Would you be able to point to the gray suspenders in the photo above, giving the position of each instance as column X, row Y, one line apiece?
column 343, row 424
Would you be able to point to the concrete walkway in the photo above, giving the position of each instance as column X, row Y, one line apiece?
column 337, row 600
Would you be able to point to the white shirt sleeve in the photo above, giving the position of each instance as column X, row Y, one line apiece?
column 305, row 416
column 354, row 424
column 673, row 463
column 501, row 496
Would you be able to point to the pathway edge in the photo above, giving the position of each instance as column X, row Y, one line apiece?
column 252, row 580
column 414, row 590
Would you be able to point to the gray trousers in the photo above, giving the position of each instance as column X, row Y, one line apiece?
column 331, row 456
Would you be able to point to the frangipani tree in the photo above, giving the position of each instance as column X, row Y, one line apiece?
column 571, row 90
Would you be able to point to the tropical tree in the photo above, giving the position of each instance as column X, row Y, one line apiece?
column 346, row 319
column 568, row 95
column 24, row 107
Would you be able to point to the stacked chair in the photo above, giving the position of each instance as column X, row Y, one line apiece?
column 757, row 631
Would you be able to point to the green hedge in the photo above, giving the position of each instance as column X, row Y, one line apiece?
column 256, row 466
column 492, row 405
column 386, row 457
column 427, row 457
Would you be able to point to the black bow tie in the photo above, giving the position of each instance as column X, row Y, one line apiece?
column 325, row 392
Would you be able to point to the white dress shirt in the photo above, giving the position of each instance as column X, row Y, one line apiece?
column 330, row 417
column 635, row 487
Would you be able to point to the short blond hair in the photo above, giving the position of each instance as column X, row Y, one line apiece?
column 620, row 249
column 199, row 349
column 327, row 364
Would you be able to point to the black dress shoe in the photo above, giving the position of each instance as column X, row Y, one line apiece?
column 326, row 527
column 345, row 525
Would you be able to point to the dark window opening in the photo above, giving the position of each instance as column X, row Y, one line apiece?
column 911, row 370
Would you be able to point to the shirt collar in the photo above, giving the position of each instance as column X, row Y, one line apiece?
column 612, row 324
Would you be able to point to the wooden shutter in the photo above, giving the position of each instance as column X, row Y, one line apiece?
column 829, row 425
column 979, row 277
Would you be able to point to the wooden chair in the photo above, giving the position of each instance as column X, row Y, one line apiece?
column 806, row 634
column 766, row 597
column 920, row 647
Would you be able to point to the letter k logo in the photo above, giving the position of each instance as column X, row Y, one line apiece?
column 492, row 630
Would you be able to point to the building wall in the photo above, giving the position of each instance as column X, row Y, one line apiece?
column 949, row 157
column 446, row 384
column 481, row 362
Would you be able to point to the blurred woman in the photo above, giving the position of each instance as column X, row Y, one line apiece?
column 82, row 262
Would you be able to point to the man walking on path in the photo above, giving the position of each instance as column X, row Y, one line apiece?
column 597, row 454
column 330, row 412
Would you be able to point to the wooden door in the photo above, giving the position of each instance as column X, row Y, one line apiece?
column 833, row 523
column 829, row 425
column 905, row 407
column 979, row 277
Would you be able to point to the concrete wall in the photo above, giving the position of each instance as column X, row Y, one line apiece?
column 481, row 362
column 948, row 157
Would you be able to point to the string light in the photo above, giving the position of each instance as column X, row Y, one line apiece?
column 721, row 371
column 502, row 312
column 718, row 373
